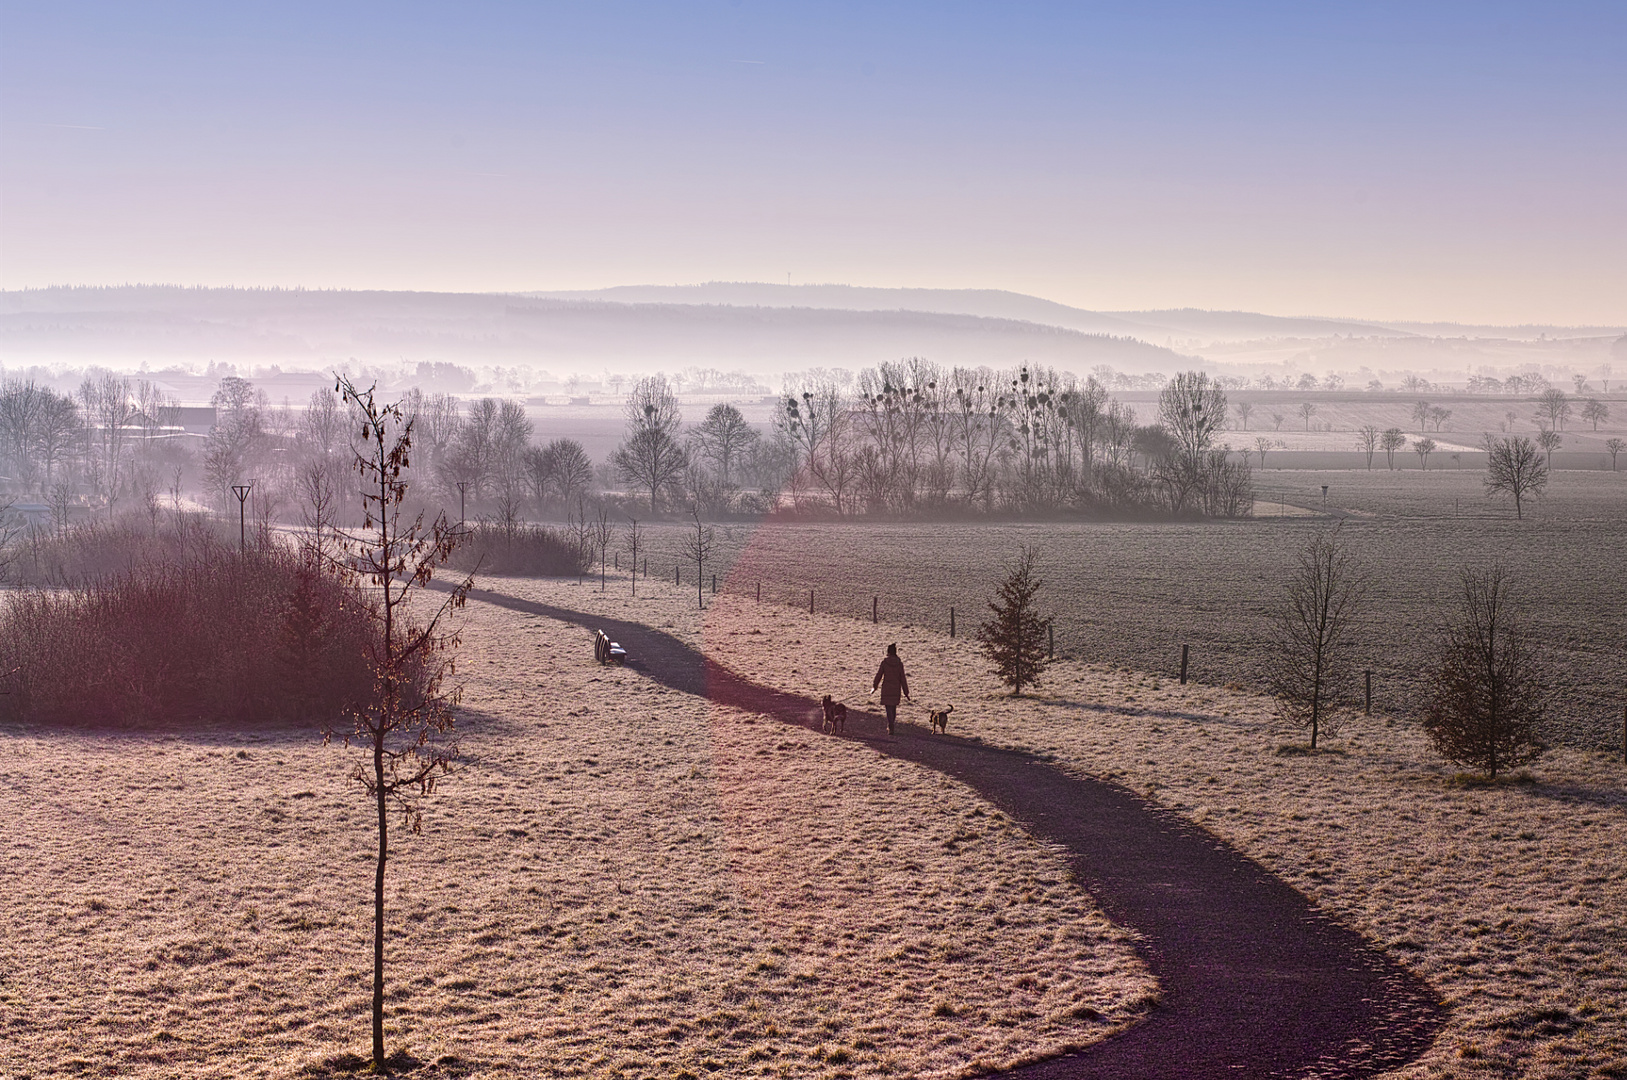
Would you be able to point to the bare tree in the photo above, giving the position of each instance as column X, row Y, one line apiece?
column 1367, row 442
column 698, row 548
column 1420, row 415
column 1549, row 439
column 318, row 507
column 1514, row 468
column 632, row 540
column 1244, row 410
column 1307, row 409
column 1391, row 441
column 1015, row 636
column 601, row 533
column 1424, row 447
column 1489, row 688
column 1192, row 409
column 650, row 456
column 580, row 529
column 321, row 425
column 1312, row 667
column 723, row 439
column 406, row 724
column 1594, row 411
column 1276, row 421
column 1615, row 446
column 1439, row 416
column 508, row 506
column 1554, row 405
column 1261, row 445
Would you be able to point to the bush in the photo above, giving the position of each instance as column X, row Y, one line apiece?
column 530, row 550
column 98, row 549
column 209, row 636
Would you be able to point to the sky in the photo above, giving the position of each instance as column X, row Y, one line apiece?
column 1454, row 161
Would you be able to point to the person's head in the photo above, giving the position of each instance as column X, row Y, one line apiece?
column 892, row 650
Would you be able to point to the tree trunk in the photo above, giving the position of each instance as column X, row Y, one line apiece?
column 378, row 908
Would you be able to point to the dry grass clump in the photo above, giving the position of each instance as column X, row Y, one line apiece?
column 1510, row 899
column 619, row 881
column 259, row 638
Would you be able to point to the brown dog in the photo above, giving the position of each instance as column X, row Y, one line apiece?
column 835, row 715
column 940, row 719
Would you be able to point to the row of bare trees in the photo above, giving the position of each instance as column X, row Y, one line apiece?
column 910, row 437
column 110, row 441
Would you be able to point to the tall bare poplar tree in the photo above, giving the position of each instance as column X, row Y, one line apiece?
column 406, row 725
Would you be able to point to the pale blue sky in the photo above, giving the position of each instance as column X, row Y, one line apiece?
column 1461, row 161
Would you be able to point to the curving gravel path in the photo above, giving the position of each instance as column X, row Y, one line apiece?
column 1256, row 981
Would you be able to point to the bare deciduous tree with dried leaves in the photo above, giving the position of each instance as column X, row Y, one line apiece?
column 405, row 726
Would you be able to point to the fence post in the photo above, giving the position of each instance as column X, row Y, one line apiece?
column 951, row 622
column 1184, row 652
column 759, row 592
column 874, row 602
column 810, row 601
column 677, row 575
column 714, row 584
column 1367, row 696
column 1050, row 641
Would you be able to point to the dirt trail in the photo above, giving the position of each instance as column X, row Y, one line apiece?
column 1256, row 981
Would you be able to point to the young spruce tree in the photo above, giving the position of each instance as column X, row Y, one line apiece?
column 1015, row 637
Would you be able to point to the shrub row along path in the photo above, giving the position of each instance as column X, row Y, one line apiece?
column 1255, row 981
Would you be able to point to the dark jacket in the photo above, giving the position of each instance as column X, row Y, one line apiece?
column 892, row 680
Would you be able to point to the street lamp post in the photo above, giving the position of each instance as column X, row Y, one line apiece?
column 242, row 493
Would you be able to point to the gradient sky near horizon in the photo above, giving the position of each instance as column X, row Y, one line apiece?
column 1461, row 161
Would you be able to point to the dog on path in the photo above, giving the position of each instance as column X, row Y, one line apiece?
column 835, row 715
column 940, row 719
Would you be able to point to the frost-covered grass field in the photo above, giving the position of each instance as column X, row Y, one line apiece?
column 1511, row 901
column 619, row 881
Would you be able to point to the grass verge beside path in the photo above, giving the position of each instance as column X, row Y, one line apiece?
column 1512, row 900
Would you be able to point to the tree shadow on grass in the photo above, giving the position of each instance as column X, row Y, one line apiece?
column 1137, row 710
column 401, row 1063
column 1614, row 798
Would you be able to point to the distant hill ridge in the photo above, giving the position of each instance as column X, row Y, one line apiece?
column 760, row 328
column 162, row 324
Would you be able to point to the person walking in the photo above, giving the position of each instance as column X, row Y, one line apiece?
column 893, row 682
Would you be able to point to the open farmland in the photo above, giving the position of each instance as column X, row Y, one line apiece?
column 1132, row 593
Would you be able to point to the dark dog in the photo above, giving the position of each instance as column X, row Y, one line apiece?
column 940, row 719
column 835, row 714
